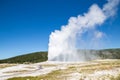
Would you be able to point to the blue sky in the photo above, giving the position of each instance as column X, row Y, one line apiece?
column 25, row 25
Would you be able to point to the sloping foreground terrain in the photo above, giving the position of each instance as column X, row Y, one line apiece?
column 107, row 69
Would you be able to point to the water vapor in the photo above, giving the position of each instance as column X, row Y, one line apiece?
column 63, row 43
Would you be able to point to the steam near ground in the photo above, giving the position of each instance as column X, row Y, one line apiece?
column 63, row 43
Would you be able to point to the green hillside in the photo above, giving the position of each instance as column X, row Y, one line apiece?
column 109, row 53
column 42, row 56
column 27, row 58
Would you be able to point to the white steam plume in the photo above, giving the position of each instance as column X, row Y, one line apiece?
column 62, row 43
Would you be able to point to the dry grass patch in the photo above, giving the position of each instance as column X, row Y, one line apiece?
column 17, row 71
column 6, row 65
column 49, row 65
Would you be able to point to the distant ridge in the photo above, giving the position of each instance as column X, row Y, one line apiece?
column 109, row 53
column 43, row 56
column 27, row 58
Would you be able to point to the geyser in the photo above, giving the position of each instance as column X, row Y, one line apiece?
column 63, row 43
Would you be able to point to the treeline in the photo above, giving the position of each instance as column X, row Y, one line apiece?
column 43, row 56
column 109, row 53
column 27, row 58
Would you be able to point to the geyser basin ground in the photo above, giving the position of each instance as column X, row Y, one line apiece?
column 91, row 70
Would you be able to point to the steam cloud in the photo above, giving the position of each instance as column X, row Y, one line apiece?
column 63, row 43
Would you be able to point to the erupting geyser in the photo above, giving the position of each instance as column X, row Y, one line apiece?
column 63, row 43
